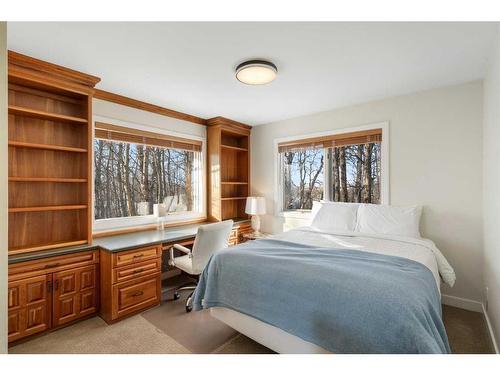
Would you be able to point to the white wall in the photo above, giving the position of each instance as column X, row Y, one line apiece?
column 491, row 181
column 3, row 187
column 435, row 156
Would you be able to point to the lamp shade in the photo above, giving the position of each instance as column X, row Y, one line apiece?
column 255, row 206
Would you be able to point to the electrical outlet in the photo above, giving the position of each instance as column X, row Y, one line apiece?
column 486, row 298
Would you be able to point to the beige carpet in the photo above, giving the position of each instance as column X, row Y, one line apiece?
column 94, row 336
column 467, row 331
column 196, row 331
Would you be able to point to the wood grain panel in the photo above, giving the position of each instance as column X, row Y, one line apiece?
column 52, row 264
column 50, row 140
column 229, row 125
column 29, row 306
column 33, row 130
column 228, row 173
column 136, row 295
column 133, row 103
column 39, row 102
column 136, row 270
column 135, row 256
column 35, row 230
column 50, row 70
column 44, row 163
column 28, row 194
column 74, row 294
column 214, row 173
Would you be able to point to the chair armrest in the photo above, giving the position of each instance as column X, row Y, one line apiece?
column 185, row 250
column 182, row 248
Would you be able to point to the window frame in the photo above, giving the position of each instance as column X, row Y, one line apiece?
column 130, row 222
column 306, row 214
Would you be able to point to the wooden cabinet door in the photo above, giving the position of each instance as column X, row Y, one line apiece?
column 74, row 294
column 28, row 306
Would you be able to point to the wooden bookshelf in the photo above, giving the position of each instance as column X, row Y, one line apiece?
column 229, row 168
column 50, row 139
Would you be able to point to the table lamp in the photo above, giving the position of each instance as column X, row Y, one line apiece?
column 255, row 206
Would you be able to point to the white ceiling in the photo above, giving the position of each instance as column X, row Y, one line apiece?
column 189, row 67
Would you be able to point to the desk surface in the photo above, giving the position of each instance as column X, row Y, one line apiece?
column 128, row 241
column 117, row 243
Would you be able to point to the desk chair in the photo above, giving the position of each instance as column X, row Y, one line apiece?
column 209, row 239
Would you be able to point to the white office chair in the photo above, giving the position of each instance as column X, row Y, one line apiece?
column 209, row 239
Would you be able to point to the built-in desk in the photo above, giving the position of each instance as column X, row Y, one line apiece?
column 129, row 241
column 131, row 267
column 123, row 242
column 115, row 277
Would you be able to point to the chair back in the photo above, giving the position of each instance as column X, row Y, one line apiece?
column 209, row 239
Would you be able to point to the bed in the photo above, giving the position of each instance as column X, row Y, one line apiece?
column 331, row 289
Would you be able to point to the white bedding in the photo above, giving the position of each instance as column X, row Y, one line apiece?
column 420, row 250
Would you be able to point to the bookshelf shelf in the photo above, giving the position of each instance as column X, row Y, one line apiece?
column 48, row 179
column 46, row 147
column 48, row 208
column 27, row 112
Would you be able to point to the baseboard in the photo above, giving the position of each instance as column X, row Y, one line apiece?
column 490, row 328
column 471, row 305
column 463, row 303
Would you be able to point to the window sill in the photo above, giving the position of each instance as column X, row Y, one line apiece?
column 104, row 232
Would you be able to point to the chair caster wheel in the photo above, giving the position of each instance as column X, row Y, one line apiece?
column 176, row 296
column 189, row 308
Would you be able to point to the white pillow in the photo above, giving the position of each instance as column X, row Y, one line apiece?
column 315, row 208
column 383, row 219
column 335, row 216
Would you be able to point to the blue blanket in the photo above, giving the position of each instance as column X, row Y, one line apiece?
column 346, row 301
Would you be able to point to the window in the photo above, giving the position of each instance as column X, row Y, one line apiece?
column 134, row 170
column 355, row 173
column 341, row 168
column 303, row 180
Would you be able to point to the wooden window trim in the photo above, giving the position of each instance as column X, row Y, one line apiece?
column 138, row 104
column 117, row 133
column 335, row 140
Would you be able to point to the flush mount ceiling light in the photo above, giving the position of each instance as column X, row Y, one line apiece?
column 256, row 72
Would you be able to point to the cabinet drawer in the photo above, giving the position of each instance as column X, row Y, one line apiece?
column 136, row 270
column 134, row 256
column 52, row 264
column 135, row 295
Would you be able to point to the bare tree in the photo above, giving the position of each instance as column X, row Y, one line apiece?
column 367, row 174
column 344, row 197
column 126, row 174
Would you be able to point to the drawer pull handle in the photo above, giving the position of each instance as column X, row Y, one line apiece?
column 137, row 294
column 138, row 270
column 138, row 255
column 52, row 265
